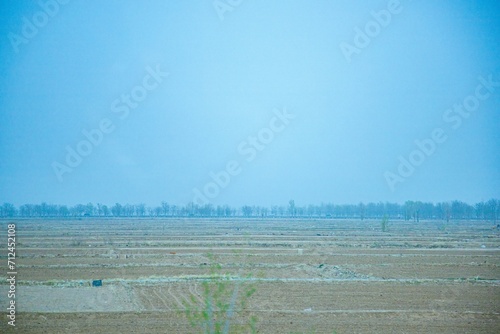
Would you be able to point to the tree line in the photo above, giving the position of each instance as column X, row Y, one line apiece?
column 410, row 210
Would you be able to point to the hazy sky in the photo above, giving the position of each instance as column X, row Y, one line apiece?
column 317, row 101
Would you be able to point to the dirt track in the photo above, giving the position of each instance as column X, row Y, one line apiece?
column 312, row 276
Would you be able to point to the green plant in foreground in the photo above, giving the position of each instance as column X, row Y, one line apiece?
column 222, row 299
column 385, row 224
column 442, row 227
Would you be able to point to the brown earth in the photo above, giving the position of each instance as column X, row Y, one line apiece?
column 309, row 276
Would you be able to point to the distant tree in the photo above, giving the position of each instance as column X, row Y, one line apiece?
column 53, row 210
column 492, row 208
column 105, row 210
column 89, row 209
column 311, row 211
column 361, row 210
column 373, row 210
column 341, row 210
column 219, row 211
column 426, row 210
column 192, row 209
column 256, row 210
column 128, row 210
column 281, row 210
column 228, row 211
column 165, row 208
column 117, row 209
column 26, row 210
column 206, row 210
column 63, row 211
column 291, row 208
column 37, row 210
column 479, row 210
column 446, row 211
column 469, row 211
column 99, row 209
column 158, row 211
column 264, row 212
column 274, row 210
column 174, row 210
column 8, row 210
column 183, row 211
column 246, row 210
column 457, row 209
column 412, row 210
column 347, row 210
column 395, row 210
column 77, row 210
column 140, row 209
column 328, row 209
column 415, row 210
column 42, row 209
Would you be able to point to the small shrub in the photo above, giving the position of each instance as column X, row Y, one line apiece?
column 75, row 242
column 222, row 300
column 385, row 224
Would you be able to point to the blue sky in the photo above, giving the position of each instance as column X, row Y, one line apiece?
column 352, row 118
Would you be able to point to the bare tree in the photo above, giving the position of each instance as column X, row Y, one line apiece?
column 165, row 208
column 291, row 208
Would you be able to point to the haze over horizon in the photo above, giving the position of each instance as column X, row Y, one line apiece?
column 256, row 103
